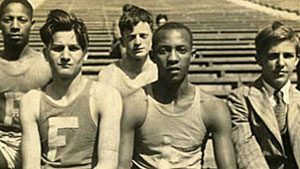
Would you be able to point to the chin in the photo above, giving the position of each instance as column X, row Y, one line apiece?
column 65, row 74
column 280, row 82
column 17, row 43
column 175, row 79
column 140, row 56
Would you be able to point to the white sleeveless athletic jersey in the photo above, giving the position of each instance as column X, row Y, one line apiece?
column 114, row 76
column 167, row 140
column 68, row 133
column 17, row 77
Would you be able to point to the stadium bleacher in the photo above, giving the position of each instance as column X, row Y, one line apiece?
column 289, row 6
column 223, row 37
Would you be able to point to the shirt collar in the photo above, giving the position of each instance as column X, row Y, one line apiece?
column 285, row 90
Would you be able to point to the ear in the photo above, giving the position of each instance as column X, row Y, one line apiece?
column 194, row 54
column 86, row 55
column 297, row 61
column 32, row 23
column 46, row 53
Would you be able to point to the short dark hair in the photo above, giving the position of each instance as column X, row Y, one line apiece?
column 273, row 35
column 60, row 20
column 161, row 16
column 132, row 15
column 25, row 3
column 171, row 26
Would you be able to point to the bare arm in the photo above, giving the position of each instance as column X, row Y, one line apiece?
column 134, row 113
column 30, row 136
column 220, row 126
column 109, row 106
column 248, row 152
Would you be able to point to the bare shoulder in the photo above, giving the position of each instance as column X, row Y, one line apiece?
column 30, row 104
column 105, row 97
column 101, row 90
column 215, row 110
column 31, row 96
column 210, row 103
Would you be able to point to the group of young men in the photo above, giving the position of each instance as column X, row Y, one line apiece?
column 142, row 112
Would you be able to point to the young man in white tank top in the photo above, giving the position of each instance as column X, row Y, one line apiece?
column 21, row 69
column 134, row 69
column 168, row 126
column 73, row 122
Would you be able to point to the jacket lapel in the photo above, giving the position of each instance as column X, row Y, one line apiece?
column 259, row 100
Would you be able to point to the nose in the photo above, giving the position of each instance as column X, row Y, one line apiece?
column 281, row 60
column 173, row 57
column 15, row 26
column 65, row 56
column 137, row 40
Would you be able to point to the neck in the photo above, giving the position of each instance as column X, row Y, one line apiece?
column 12, row 52
column 132, row 67
column 274, row 84
column 65, row 88
column 167, row 92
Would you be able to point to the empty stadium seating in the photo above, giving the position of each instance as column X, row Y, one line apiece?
column 223, row 35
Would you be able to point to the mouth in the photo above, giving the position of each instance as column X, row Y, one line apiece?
column 139, row 50
column 281, row 72
column 173, row 69
column 66, row 65
column 15, row 36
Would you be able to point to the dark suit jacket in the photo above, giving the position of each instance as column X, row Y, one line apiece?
column 255, row 134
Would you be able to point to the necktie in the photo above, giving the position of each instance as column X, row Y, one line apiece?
column 279, row 110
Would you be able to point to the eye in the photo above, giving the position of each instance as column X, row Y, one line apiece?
column 272, row 56
column 182, row 49
column 130, row 37
column 288, row 55
column 57, row 48
column 23, row 19
column 74, row 48
column 6, row 19
column 143, row 35
column 162, row 50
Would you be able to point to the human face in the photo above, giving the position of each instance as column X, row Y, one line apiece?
column 172, row 54
column 138, row 42
column 161, row 22
column 65, row 54
column 279, row 63
column 15, row 24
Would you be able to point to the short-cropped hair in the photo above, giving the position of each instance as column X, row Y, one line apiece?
column 132, row 15
column 171, row 26
column 273, row 35
column 25, row 3
column 60, row 20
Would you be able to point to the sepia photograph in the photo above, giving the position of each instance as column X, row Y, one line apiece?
column 158, row 84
